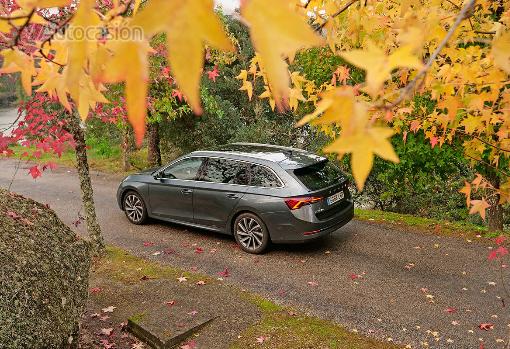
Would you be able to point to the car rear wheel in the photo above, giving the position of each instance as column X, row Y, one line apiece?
column 135, row 208
column 251, row 233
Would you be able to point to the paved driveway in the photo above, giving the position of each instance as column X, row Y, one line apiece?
column 386, row 283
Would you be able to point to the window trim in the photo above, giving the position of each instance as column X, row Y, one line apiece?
column 175, row 162
column 204, row 163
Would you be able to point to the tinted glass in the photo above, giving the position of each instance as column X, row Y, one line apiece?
column 225, row 171
column 263, row 177
column 319, row 176
column 184, row 169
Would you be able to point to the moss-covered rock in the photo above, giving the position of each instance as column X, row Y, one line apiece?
column 44, row 269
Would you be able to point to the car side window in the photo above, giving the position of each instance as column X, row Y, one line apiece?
column 225, row 171
column 263, row 177
column 186, row 169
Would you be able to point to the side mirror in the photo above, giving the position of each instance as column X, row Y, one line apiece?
column 157, row 176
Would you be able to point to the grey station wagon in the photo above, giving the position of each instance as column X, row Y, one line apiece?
column 258, row 193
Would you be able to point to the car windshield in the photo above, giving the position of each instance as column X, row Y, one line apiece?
column 319, row 176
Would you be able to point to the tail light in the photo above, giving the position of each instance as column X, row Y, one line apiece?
column 296, row 203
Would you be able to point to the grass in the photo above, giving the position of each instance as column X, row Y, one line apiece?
column 101, row 158
column 280, row 326
column 434, row 226
column 122, row 266
column 283, row 328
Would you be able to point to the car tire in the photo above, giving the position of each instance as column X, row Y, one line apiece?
column 135, row 208
column 251, row 233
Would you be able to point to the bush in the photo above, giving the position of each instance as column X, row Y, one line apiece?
column 43, row 277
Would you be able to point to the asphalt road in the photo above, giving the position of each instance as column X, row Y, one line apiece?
column 7, row 117
column 390, row 284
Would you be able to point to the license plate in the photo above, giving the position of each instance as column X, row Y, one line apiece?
column 335, row 198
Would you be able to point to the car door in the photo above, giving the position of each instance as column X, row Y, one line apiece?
column 222, row 184
column 171, row 196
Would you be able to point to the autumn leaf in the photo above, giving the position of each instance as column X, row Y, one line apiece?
column 188, row 26
column 466, row 190
column 379, row 66
column 363, row 143
column 34, row 172
column 277, row 32
column 479, row 206
column 135, row 74
column 15, row 61
column 501, row 52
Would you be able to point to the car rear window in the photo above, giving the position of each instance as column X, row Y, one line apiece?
column 319, row 176
column 263, row 177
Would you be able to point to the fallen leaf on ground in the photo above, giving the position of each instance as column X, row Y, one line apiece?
column 109, row 309
column 313, row 283
column 107, row 331
column 182, row 279
column 95, row 290
column 201, row 282
column 261, row 339
column 450, row 310
column 486, row 326
column 148, row 244
column 225, row 273
column 170, row 303
column 189, row 345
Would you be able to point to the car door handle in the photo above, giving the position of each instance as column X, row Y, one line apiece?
column 187, row 191
column 232, row 196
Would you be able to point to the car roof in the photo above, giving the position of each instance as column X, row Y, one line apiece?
column 286, row 157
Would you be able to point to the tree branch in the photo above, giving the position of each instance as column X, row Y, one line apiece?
column 337, row 13
column 410, row 87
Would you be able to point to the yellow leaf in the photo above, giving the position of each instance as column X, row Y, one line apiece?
column 135, row 74
column 85, row 19
column 479, row 206
column 277, row 32
column 17, row 61
column 379, row 66
column 363, row 142
column 501, row 52
column 188, row 25
column 336, row 106
column 466, row 190
column 52, row 82
column 248, row 87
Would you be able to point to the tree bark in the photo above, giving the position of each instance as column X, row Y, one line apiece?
column 126, row 165
column 87, row 192
column 495, row 211
column 154, row 151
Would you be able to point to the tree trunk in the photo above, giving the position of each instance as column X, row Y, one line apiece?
column 154, row 151
column 495, row 211
column 87, row 193
column 125, row 148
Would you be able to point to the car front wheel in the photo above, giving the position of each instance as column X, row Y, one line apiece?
column 251, row 233
column 135, row 208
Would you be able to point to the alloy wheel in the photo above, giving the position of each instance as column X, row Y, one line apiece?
column 134, row 208
column 250, row 233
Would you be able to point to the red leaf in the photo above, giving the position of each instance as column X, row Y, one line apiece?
column 13, row 215
column 498, row 253
column 486, row 326
column 450, row 310
column 34, row 172
column 199, row 250
column 95, row 290
column 225, row 273
column 148, row 244
column 500, row 240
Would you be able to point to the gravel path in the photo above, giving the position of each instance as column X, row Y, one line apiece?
column 390, row 284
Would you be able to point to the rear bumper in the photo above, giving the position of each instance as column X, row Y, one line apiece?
column 286, row 228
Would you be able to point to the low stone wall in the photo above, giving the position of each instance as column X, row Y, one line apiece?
column 44, row 269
